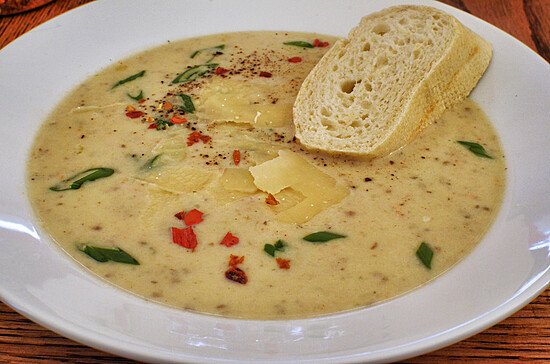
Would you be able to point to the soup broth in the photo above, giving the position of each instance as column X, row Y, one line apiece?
column 181, row 161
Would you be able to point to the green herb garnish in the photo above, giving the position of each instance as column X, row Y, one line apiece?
column 300, row 43
column 162, row 124
column 104, row 255
column 76, row 181
column 187, row 103
column 322, row 237
column 195, row 72
column 138, row 97
column 271, row 249
column 212, row 50
column 475, row 148
column 131, row 78
column 151, row 162
column 425, row 254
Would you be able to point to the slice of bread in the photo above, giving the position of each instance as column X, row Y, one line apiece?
column 394, row 74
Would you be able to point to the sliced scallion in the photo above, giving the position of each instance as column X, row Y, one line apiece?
column 162, row 123
column 104, row 255
column 128, row 79
column 322, row 237
column 272, row 248
column 212, row 50
column 425, row 254
column 76, row 181
column 300, row 43
column 475, row 148
column 195, row 72
column 188, row 105
column 150, row 164
column 138, row 97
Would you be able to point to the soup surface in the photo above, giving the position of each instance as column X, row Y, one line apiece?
column 175, row 174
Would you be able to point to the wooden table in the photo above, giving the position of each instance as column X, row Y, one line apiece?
column 523, row 337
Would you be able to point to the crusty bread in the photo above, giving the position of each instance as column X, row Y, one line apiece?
column 394, row 74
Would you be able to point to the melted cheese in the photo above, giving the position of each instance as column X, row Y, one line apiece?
column 244, row 102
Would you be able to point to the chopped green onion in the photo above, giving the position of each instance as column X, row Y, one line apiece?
column 322, row 237
column 131, row 78
column 271, row 249
column 187, row 103
column 150, row 163
column 138, row 97
column 300, row 43
column 213, row 50
column 475, row 148
column 195, row 72
column 162, row 124
column 279, row 245
column 425, row 254
column 76, row 181
column 104, row 255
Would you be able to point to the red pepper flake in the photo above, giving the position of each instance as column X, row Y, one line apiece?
column 237, row 156
column 141, row 101
column 184, row 237
column 235, row 260
column 193, row 217
column 270, row 200
column 229, row 240
column 319, row 44
column 221, row 70
column 265, row 74
column 152, row 126
column 195, row 137
column 178, row 120
column 236, row 275
column 134, row 114
column 295, row 60
column 283, row 263
column 180, row 215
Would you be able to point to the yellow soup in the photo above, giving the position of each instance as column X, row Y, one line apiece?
column 175, row 174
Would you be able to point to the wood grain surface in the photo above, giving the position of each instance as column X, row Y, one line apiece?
column 523, row 337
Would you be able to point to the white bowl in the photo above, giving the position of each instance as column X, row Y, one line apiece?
column 507, row 270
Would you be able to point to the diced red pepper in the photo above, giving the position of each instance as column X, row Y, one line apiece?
column 134, row 114
column 235, row 260
column 178, row 120
column 270, row 200
column 319, row 44
column 283, row 263
column 229, row 240
column 193, row 217
column 221, row 70
column 236, row 274
column 195, row 137
column 295, row 60
column 237, row 156
column 184, row 237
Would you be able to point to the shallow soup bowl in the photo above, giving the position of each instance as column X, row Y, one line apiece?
column 506, row 271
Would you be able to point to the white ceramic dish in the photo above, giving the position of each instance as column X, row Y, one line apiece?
column 508, row 269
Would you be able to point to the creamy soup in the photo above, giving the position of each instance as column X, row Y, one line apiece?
column 174, row 174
